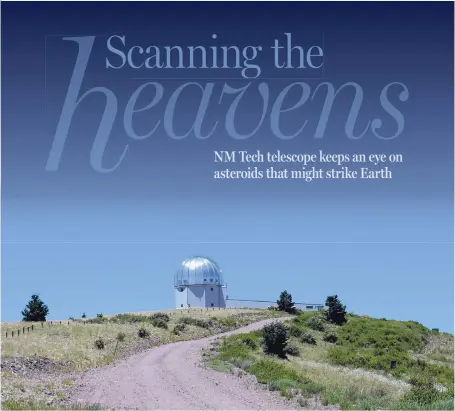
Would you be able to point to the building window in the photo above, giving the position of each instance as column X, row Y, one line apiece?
column 211, row 304
column 181, row 305
column 211, row 280
column 211, row 289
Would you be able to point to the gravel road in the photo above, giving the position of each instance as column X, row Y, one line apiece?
column 170, row 377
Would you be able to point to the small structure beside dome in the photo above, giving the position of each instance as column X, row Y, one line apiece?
column 199, row 283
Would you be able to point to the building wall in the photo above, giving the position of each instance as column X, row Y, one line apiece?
column 180, row 297
column 200, row 296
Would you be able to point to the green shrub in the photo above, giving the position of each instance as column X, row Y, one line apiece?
column 178, row 329
column 308, row 338
column 295, row 331
column 160, row 316
column 202, row 323
column 100, row 315
column 423, row 394
column 268, row 370
column 99, row 343
column 275, row 338
column 159, row 323
column 121, row 337
column 241, row 363
column 330, row 337
column 249, row 342
column 143, row 333
column 292, row 349
column 316, row 323
column 234, row 350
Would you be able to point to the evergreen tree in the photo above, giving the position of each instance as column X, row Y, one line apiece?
column 285, row 302
column 336, row 312
column 35, row 310
column 275, row 338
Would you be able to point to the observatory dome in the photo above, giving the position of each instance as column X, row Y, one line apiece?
column 198, row 271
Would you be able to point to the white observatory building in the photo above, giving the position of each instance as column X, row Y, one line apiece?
column 199, row 283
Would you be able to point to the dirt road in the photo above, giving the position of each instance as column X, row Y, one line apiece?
column 170, row 377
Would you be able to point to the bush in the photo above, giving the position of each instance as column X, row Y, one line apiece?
column 249, row 342
column 197, row 322
column 316, row 323
column 226, row 322
column 99, row 343
column 330, row 337
column 292, row 349
column 143, row 333
column 120, row 337
column 275, row 338
column 423, row 393
column 161, row 316
column 308, row 338
column 295, row 331
column 178, row 329
column 100, row 315
column 242, row 363
column 83, row 315
column 159, row 323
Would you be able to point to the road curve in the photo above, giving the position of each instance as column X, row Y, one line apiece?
column 170, row 377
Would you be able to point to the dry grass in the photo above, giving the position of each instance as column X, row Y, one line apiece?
column 72, row 344
column 74, row 341
column 439, row 348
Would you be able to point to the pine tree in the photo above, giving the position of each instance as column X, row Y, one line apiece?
column 336, row 312
column 285, row 302
column 35, row 310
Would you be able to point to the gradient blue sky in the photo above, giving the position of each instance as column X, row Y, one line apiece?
column 91, row 242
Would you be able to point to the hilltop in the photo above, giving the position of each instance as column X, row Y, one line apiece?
column 40, row 366
column 366, row 363
column 346, row 366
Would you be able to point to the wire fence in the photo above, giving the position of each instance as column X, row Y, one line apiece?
column 16, row 330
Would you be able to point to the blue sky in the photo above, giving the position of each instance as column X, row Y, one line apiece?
column 93, row 242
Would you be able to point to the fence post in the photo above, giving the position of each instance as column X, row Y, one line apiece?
column 68, row 323
column 32, row 327
column 28, row 329
column 42, row 324
column 12, row 333
column 51, row 322
column 7, row 334
column 60, row 322
column 23, row 330
column 18, row 332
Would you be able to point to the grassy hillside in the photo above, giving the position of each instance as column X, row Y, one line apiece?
column 350, row 365
column 38, row 367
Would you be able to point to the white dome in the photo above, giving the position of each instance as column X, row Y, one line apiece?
column 198, row 271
